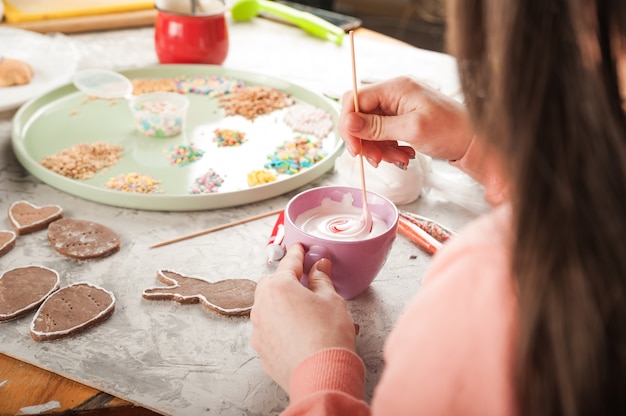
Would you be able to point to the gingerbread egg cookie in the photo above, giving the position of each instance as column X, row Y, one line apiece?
column 24, row 288
column 227, row 297
column 70, row 310
column 7, row 241
column 27, row 218
column 82, row 240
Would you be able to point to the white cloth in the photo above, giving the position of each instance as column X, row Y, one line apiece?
column 400, row 186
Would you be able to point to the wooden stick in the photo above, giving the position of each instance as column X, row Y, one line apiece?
column 366, row 212
column 216, row 228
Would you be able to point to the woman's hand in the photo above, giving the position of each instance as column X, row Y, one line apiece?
column 291, row 322
column 402, row 111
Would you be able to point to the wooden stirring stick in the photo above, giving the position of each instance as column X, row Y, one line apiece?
column 367, row 215
column 217, row 228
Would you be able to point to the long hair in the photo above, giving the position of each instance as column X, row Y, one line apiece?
column 541, row 85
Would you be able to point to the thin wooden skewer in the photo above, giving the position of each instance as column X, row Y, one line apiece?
column 216, row 228
column 366, row 211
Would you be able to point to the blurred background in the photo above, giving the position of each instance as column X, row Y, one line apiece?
column 418, row 22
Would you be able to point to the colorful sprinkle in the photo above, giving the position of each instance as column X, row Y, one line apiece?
column 260, row 177
column 229, row 138
column 208, row 183
column 135, row 183
column 436, row 230
column 305, row 118
column 296, row 155
column 158, row 118
column 214, row 86
column 182, row 155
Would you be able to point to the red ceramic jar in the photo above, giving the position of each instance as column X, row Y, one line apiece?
column 200, row 38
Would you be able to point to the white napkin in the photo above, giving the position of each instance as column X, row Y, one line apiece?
column 400, row 186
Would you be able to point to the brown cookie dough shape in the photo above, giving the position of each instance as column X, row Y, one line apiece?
column 82, row 240
column 27, row 218
column 227, row 297
column 7, row 241
column 70, row 310
column 24, row 288
column 14, row 72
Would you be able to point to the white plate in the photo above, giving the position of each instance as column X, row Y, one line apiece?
column 54, row 59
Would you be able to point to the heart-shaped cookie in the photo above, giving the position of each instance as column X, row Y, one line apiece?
column 70, row 310
column 228, row 297
column 80, row 239
column 24, row 288
column 27, row 218
column 7, row 241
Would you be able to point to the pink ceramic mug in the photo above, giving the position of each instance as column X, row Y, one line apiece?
column 356, row 263
column 181, row 36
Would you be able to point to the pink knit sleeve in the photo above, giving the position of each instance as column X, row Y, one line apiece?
column 485, row 166
column 452, row 350
column 328, row 382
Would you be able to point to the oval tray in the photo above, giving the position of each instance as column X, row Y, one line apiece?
column 63, row 117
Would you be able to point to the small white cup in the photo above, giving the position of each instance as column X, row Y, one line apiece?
column 159, row 114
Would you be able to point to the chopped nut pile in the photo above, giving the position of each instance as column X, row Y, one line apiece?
column 83, row 160
column 251, row 102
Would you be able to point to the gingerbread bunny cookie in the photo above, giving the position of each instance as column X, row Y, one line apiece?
column 227, row 297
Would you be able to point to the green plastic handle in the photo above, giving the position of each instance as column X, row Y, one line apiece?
column 310, row 23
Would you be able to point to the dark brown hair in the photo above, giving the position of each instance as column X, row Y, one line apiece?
column 541, row 85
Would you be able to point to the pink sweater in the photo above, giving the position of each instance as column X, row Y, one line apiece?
column 450, row 352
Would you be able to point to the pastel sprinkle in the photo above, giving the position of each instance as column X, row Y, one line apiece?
column 213, row 86
column 158, row 118
column 183, row 155
column 305, row 118
column 135, row 183
column 208, row 183
column 296, row 155
column 260, row 177
column 229, row 138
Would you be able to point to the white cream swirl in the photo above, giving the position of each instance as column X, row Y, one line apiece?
column 339, row 221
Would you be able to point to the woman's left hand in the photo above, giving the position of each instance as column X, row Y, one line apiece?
column 291, row 322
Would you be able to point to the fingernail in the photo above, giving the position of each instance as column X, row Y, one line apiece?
column 324, row 266
column 372, row 162
column 355, row 122
column 401, row 165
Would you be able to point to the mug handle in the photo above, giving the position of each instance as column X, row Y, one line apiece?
column 313, row 255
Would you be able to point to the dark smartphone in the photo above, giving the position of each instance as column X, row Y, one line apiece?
column 347, row 23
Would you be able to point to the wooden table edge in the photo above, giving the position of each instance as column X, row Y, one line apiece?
column 28, row 385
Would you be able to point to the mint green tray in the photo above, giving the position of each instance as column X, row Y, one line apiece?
column 61, row 118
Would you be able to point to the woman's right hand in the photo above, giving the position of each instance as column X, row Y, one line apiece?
column 403, row 111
